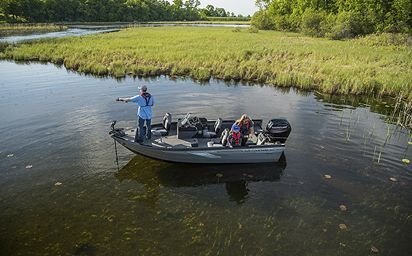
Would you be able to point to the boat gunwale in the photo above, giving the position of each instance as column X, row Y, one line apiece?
column 197, row 148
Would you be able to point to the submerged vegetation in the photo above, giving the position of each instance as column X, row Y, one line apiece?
column 282, row 59
column 19, row 29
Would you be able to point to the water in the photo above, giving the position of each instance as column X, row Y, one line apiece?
column 57, row 122
column 68, row 32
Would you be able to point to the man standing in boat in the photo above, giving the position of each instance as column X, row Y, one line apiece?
column 145, row 102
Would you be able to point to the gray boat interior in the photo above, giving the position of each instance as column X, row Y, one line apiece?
column 194, row 132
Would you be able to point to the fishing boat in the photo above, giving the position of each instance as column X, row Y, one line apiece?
column 198, row 140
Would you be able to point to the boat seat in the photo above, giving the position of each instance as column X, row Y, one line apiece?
column 262, row 139
column 216, row 129
column 224, row 136
column 163, row 131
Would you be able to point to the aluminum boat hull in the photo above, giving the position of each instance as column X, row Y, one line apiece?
column 212, row 155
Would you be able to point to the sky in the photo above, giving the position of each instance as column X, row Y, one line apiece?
column 244, row 7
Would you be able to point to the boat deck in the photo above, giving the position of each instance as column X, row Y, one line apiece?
column 173, row 141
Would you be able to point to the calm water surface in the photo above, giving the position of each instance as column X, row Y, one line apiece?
column 68, row 32
column 57, row 123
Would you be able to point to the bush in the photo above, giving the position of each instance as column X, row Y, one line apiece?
column 262, row 20
column 312, row 23
column 349, row 25
column 282, row 23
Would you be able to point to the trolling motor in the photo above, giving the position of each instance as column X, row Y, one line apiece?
column 116, row 131
column 113, row 124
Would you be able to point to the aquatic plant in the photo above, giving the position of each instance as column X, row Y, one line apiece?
column 18, row 29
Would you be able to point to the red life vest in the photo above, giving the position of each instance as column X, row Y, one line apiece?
column 234, row 138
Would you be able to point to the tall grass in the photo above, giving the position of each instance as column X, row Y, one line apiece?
column 282, row 59
column 18, row 29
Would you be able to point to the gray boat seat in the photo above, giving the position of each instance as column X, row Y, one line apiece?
column 224, row 136
column 216, row 129
column 163, row 131
column 262, row 139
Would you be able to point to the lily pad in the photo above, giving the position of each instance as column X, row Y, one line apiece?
column 374, row 249
column 406, row 161
column 343, row 226
column 29, row 166
column 327, row 176
column 343, row 208
column 58, row 184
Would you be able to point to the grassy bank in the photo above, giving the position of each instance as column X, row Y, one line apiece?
column 282, row 59
column 19, row 29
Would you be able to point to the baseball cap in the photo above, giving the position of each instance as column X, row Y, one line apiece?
column 143, row 88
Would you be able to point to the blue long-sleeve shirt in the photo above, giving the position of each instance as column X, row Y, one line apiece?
column 144, row 104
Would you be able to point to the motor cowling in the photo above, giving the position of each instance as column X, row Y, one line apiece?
column 278, row 130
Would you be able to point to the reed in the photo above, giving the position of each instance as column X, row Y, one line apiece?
column 276, row 58
column 18, row 29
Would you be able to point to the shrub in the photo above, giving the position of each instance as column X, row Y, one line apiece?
column 282, row 23
column 348, row 25
column 312, row 22
column 262, row 20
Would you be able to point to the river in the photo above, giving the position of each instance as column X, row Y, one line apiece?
column 62, row 193
column 84, row 29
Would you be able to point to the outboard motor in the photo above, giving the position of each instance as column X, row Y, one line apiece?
column 278, row 130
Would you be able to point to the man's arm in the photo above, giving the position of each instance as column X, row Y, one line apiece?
column 126, row 99
column 123, row 99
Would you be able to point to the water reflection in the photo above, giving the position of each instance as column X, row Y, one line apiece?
column 236, row 178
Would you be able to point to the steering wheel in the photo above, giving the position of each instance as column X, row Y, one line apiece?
column 190, row 121
column 186, row 120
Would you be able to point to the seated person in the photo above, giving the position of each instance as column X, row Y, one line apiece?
column 246, row 128
column 234, row 138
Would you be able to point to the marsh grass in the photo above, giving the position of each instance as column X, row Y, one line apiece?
column 19, row 29
column 276, row 58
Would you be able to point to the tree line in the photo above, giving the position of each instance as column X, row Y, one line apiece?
column 106, row 10
column 335, row 19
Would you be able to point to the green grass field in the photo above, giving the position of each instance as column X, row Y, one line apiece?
column 281, row 59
